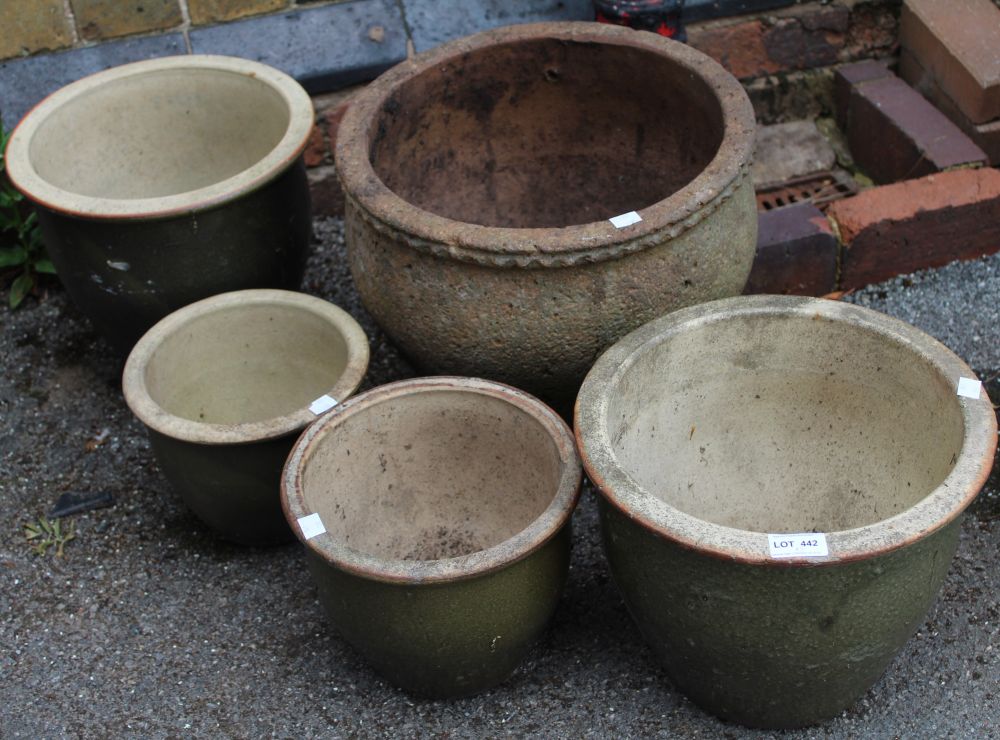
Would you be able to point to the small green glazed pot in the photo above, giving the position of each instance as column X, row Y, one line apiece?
column 226, row 385
column 165, row 181
column 782, row 486
column 435, row 513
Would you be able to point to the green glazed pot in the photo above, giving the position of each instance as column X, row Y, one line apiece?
column 226, row 385
column 166, row 181
column 443, row 508
column 730, row 441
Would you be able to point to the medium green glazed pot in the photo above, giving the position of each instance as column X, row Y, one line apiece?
column 782, row 486
column 435, row 513
column 166, row 181
column 226, row 385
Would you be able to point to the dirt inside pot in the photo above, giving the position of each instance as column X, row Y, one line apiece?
column 159, row 133
column 792, row 425
column 431, row 475
column 546, row 133
column 246, row 363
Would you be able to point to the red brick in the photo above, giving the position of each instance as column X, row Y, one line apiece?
column 849, row 76
column 316, row 152
column 796, row 253
column 958, row 42
column 895, row 134
column 325, row 191
column 986, row 135
column 917, row 224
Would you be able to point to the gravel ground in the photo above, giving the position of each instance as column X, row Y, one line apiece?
column 150, row 626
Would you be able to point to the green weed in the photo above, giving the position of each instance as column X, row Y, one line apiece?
column 45, row 534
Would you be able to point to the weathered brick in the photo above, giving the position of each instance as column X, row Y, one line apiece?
column 30, row 27
column 958, row 43
column 796, row 252
column 847, row 77
column 894, row 133
column 316, row 151
column 916, row 224
column 215, row 11
column 986, row 135
column 790, row 150
column 325, row 191
column 105, row 19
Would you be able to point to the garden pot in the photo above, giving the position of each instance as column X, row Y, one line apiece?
column 166, row 181
column 435, row 513
column 226, row 385
column 724, row 438
column 480, row 178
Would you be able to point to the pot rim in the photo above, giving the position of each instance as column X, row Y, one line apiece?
column 447, row 570
column 154, row 416
column 590, row 242
column 26, row 178
column 936, row 510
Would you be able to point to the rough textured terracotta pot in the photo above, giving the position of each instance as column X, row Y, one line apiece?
column 446, row 505
column 711, row 428
column 481, row 175
column 165, row 181
column 224, row 387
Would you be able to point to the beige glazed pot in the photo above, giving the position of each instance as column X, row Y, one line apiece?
column 481, row 176
column 436, row 515
column 782, row 482
column 166, row 181
column 224, row 387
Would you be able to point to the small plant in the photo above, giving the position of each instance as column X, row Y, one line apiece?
column 45, row 534
column 22, row 253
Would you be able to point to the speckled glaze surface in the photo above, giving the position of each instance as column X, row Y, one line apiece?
column 446, row 506
column 710, row 428
column 224, row 387
column 166, row 181
column 481, row 175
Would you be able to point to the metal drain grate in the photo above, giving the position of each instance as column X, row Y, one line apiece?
column 817, row 189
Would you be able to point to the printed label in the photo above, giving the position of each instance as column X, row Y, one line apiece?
column 804, row 545
column 969, row 387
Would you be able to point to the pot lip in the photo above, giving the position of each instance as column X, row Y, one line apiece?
column 449, row 570
column 593, row 241
column 158, row 419
column 940, row 507
column 25, row 177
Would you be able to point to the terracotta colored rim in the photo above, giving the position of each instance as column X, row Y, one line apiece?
column 154, row 416
column 940, row 507
column 547, row 246
column 24, row 176
column 510, row 551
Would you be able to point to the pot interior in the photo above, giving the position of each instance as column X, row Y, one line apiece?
column 246, row 363
column 785, row 424
column 545, row 133
column 159, row 133
column 431, row 475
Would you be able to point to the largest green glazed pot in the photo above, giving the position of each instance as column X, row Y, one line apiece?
column 166, row 181
column 480, row 178
column 717, row 429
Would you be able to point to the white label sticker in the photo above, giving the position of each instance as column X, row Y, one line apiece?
column 969, row 387
column 321, row 404
column 311, row 526
column 803, row 545
column 626, row 219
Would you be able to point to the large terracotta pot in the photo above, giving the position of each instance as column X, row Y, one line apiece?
column 481, row 176
column 166, row 181
column 227, row 384
column 727, row 436
column 436, row 514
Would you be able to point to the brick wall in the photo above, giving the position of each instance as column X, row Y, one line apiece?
column 32, row 26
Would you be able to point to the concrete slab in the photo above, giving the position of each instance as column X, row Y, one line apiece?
column 787, row 150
